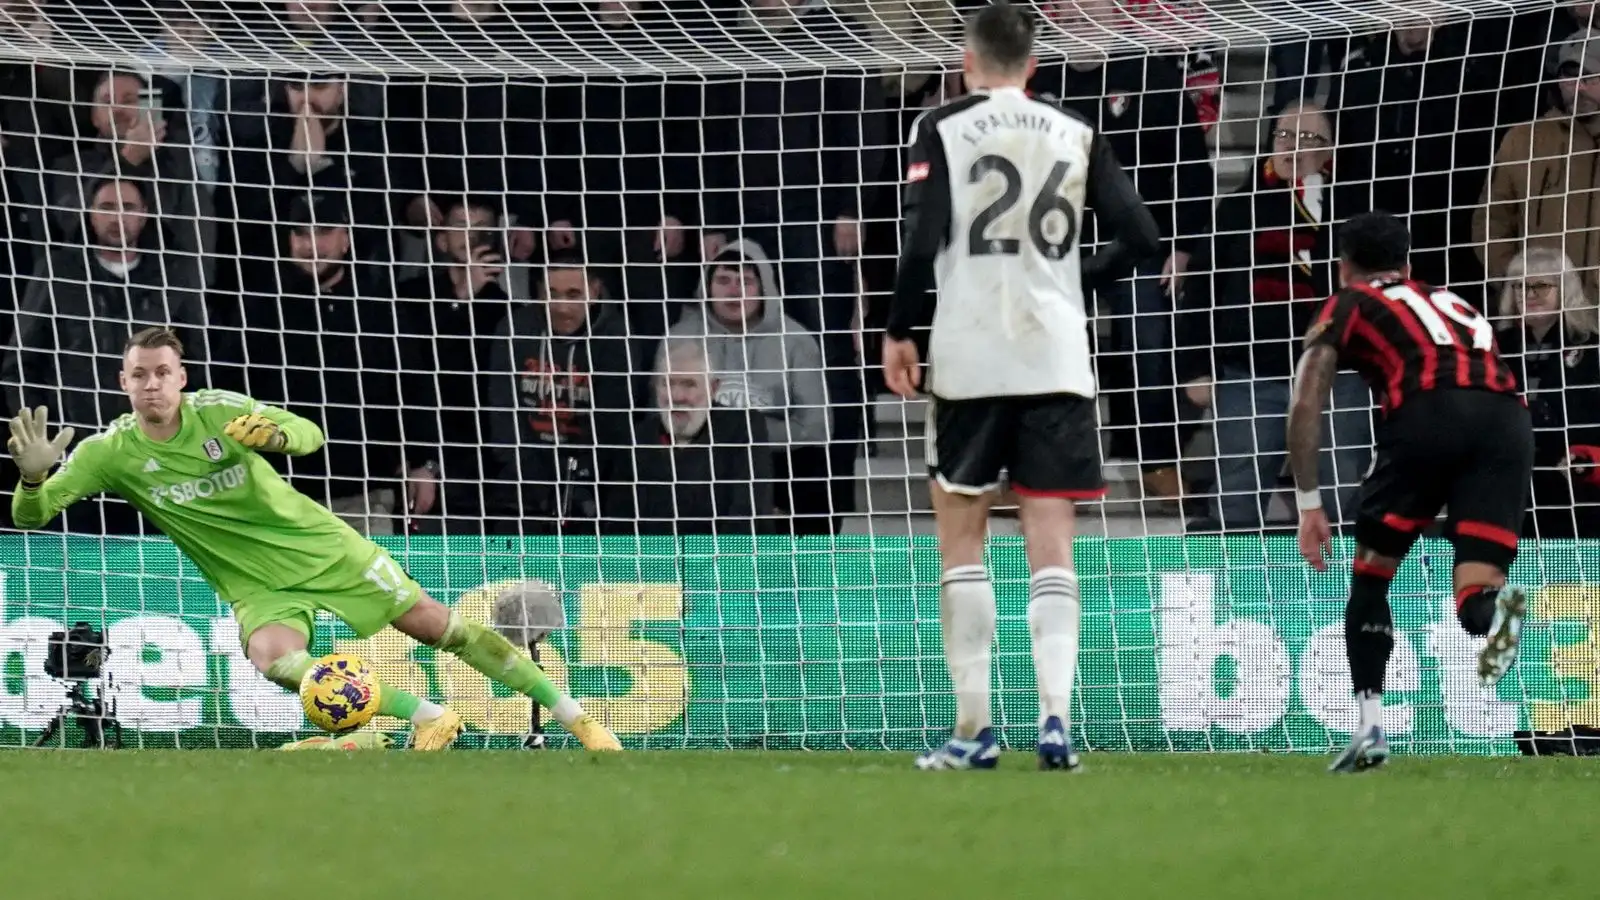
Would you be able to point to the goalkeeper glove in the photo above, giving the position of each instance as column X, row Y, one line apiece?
column 256, row 432
column 35, row 455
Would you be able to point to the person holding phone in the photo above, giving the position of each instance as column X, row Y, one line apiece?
column 131, row 118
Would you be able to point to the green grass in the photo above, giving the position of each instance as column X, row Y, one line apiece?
column 773, row 826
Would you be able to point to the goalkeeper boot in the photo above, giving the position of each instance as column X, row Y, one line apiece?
column 1505, row 635
column 438, row 733
column 1368, row 750
column 1056, row 752
column 593, row 735
column 981, row 752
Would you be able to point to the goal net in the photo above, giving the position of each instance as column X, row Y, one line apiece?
column 591, row 293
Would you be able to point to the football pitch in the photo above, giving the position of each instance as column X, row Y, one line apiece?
column 748, row 825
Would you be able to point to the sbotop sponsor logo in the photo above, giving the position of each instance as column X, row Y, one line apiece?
column 200, row 488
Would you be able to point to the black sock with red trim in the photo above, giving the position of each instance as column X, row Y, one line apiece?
column 1475, row 607
column 1368, row 626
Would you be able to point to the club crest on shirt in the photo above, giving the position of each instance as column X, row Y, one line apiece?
column 918, row 171
column 1118, row 104
column 213, row 449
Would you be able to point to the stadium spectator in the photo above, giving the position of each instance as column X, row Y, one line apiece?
column 455, row 135
column 1548, row 336
column 1297, row 68
column 1547, row 172
column 697, row 467
column 1142, row 108
column 448, row 319
column 324, row 29
column 560, row 401
column 1271, row 264
column 788, row 164
column 784, row 160
column 1416, row 139
column 307, row 140
column 1526, row 45
column 473, row 228
column 634, row 182
column 321, row 340
column 132, row 119
column 70, row 328
column 186, row 30
column 33, row 133
column 113, row 278
column 766, row 362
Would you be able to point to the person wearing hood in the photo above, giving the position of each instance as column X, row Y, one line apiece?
column 72, row 326
column 560, row 400
column 790, row 161
column 765, row 362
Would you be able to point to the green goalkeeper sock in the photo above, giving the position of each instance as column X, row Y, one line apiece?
column 288, row 670
column 487, row 652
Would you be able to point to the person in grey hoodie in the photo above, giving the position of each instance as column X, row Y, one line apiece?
column 762, row 361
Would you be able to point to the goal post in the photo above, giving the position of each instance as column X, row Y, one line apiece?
column 590, row 294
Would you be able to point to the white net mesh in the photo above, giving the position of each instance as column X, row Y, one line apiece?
column 504, row 254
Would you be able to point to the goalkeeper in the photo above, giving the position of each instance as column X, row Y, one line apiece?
column 189, row 462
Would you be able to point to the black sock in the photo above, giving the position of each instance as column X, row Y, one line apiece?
column 1475, row 608
column 1368, row 628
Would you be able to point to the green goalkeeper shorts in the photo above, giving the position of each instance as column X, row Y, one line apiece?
column 365, row 591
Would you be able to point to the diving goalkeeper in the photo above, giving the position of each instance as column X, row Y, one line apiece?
column 189, row 462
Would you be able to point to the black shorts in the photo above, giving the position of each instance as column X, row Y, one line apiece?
column 1048, row 444
column 1470, row 452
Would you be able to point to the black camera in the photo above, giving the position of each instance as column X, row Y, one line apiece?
column 77, row 654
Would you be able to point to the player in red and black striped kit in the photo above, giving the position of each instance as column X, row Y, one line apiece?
column 1454, row 434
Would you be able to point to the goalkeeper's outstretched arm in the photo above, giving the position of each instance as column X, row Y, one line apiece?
column 38, row 499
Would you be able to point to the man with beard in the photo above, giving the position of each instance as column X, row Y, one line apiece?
column 697, row 468
column 559, row 397
column 324, row 343
column 1546, row 176
column 71, row 328
column 133, row 119
column 310, row 140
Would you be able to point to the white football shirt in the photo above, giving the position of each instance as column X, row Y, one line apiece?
column 997, row 187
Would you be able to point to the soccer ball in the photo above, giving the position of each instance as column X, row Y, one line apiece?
column 340, row 693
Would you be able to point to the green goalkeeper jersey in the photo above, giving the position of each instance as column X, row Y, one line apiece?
column 223, row 505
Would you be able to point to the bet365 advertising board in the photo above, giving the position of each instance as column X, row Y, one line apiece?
column 1188, row 643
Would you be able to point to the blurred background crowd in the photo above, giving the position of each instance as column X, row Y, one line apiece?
column 600, row 292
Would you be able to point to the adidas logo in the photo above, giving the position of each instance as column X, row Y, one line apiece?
column 151, row 465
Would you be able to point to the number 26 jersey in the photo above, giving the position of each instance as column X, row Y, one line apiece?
column 1405, row 337
column 1005, row 180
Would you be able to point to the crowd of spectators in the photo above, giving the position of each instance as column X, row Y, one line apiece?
column 627, row 302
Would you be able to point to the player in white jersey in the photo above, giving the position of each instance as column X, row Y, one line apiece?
column 997, row 186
